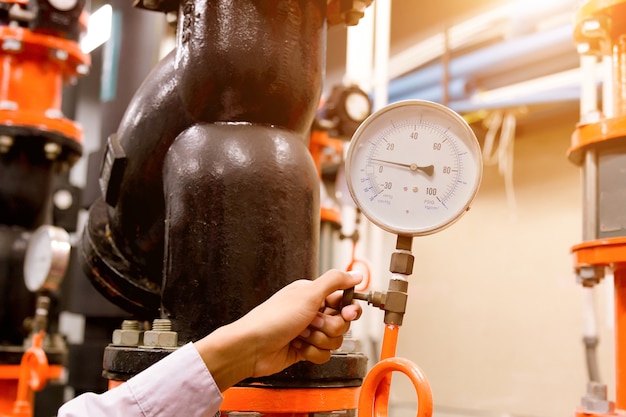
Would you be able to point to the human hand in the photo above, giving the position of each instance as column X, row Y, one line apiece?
column 297, row 323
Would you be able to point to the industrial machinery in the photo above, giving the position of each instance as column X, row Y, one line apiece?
column 210, row 198
column 337, row 119
column 40, row 54
column 599, row 148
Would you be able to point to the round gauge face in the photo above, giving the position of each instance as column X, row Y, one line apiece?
column 414, row 167
column 357, row 106
column 63, row 5
column 47, row 257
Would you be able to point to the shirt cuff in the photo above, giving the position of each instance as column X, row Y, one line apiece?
column 179, row 384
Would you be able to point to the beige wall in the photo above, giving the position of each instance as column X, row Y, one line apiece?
column 495, row 313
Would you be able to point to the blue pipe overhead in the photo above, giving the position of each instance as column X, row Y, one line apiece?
column 457, row 89
column 507, row 56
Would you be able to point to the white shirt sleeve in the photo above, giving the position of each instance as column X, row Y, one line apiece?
column 177, row 385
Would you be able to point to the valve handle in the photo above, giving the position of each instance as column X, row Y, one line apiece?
column 346, row 299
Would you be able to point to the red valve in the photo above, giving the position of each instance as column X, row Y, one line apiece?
column 33, row 376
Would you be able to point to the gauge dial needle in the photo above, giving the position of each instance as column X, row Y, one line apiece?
column 428, row 170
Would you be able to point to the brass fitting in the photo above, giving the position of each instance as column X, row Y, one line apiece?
column 397, row 297
column 402, row 263
column 393, row 301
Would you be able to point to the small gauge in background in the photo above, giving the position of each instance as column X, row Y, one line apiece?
column 47, row 258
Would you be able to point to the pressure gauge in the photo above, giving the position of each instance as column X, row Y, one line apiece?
column 47, row 257
column 414, row 167
column 357, row 105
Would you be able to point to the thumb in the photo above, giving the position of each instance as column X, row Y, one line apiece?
column 334, row 280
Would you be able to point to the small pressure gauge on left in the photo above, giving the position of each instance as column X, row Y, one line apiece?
column 47, row 258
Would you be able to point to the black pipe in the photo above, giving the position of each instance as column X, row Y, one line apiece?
column 244, row 79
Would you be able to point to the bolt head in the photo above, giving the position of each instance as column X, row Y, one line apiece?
column 156, row 338
column 127, row 337
column 590, row 275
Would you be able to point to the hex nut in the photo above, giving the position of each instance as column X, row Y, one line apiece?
column 127, row 337
column 590, row 275
column 592, row 405
column 402, row 263
column 158, row 338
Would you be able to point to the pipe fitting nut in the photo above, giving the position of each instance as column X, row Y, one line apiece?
column 159, row 338
column 402, row 263
column 590, row 275
column 595, row 401
column 125, row 337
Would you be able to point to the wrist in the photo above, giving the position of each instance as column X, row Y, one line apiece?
column 228, row 355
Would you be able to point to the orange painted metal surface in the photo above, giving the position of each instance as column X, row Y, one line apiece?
column 8, row 394
column 390, row 341
column 319, row 141
column 610, row 8
column 289, row 400
column 594, row 133
column 610, row 16
column 619, row 275
column 33, row 375
column 611, row 251
column 34, row 68
column 13, row 372
column 113, row 383
column 374, row 398
column 383, row 386
column 284, row 402
column 330, row 214
column 581, row 413
column 368, row 401
column 600, row 252
column 9, row 376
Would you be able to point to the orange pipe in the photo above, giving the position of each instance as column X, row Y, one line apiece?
column 390, row 341
column 619, row 274
column 368, row 401
column 8, row 393
column 33, row 376
column 387, row 351
column 604, row 252
column 9, row 378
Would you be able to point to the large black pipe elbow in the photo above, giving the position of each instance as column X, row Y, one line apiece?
column 217, row 206
column 242, row 221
